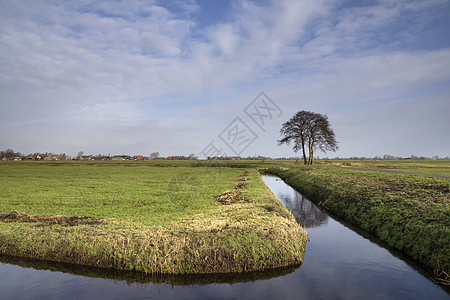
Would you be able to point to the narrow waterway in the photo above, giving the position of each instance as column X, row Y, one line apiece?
column 339, row 264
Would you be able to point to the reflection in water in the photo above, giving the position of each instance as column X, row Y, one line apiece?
column 131, row 277
column 305, row 212
column 347, row 262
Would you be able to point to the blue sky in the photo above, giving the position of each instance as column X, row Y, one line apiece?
column 134, row 77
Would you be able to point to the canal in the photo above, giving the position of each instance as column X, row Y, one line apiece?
column 340, row 263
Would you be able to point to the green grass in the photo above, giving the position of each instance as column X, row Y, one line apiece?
column 152, row 196
column 153, row 219
column 415, row 166
column 162, row 216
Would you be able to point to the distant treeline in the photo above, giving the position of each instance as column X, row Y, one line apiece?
column 384, row 157
column 10, row 154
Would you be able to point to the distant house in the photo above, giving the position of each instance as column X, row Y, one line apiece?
column 100, row 157
column 121, row 157
column 139, row 157
column 87, row 157
column 178, row 157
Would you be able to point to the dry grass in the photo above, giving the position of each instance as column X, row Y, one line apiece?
column 16, row 216
column 442, row 278
column 240, row 185
column 245, row 173
column 235, row 238
column 229, row 197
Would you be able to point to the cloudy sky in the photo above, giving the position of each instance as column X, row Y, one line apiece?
column 181, row 77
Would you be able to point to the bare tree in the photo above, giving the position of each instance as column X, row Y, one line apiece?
column 308, row 131
column 80, row 155
column 9, row 154
column 154, row 155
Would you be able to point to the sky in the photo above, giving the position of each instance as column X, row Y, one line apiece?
column 221, row 77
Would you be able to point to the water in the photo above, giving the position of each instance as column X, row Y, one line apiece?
column 339, row 264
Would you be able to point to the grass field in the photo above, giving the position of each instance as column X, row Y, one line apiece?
column 441, row 167
column 162, row 216
column 144, row 217
column 152, row 196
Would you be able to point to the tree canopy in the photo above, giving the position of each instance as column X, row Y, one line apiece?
column 308, row 131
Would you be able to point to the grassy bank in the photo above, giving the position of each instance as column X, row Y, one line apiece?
column 141, row 217
column 409, row 213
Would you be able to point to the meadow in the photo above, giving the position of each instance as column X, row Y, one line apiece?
column 138, row 216
column 411, row 167
column 165, row 216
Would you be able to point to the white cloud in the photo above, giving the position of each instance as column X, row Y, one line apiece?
column 158, row 45
column 225, row 38
column 343, row 82
column 132, row 68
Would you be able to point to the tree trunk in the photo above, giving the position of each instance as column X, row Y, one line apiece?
column 311, row 157
column 311, row 152
column 304, row 154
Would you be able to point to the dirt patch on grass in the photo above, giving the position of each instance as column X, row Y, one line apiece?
column 17, row 216
column 244, row 174
column 242, row 179
column 240, row 185
column 229, row 197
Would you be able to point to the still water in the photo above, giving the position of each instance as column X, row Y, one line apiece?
column 339, row 264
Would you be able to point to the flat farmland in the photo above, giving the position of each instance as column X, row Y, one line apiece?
column 149, row 195
column 146, row 217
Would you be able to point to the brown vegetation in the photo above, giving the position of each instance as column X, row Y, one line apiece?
column 240, row 185
column 229, row 197
column 245, row 173
column 17, row 216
